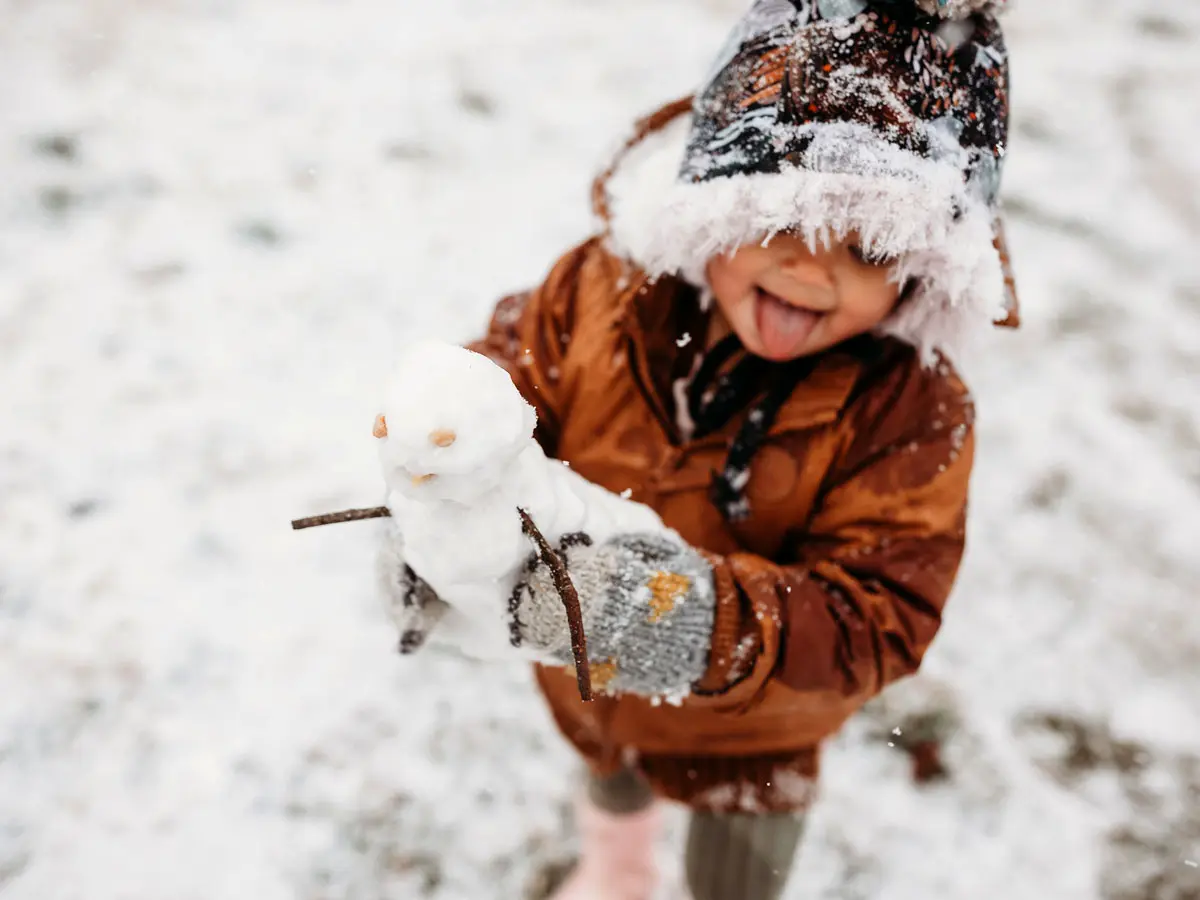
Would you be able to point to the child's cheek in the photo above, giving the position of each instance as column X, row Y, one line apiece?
column 728, row 288
column 868, row 296
column 720, row 276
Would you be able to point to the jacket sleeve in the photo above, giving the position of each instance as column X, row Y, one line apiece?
column 858, row 595
column 529, row 335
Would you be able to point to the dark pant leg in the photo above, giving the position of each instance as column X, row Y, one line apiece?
column 741, row 857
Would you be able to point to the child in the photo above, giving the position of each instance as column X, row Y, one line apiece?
column 755, row 348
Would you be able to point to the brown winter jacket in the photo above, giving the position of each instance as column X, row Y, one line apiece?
column 830, row 590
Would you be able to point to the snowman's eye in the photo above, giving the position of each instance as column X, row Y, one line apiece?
column 869, row 256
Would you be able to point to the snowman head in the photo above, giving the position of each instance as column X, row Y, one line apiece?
column 452, row 426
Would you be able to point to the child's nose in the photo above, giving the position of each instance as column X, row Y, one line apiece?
column 808, row 270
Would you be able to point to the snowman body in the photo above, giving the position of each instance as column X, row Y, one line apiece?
column 459, row 459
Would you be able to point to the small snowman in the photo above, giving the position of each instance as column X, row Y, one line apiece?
column 459, row 460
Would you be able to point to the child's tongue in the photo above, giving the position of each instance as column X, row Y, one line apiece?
column 783, row 328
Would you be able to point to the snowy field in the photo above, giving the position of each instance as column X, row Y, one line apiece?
column 217, row 219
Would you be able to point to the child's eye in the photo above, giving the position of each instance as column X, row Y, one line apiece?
column 870, row 257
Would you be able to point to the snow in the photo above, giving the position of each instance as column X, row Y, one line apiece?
column 454, row 424
column 459, row 460
column 219, row 222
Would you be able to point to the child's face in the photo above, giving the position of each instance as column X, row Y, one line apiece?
column 786, row 302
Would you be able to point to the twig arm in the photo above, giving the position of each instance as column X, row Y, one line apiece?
column 349, row 515
column 570, row 599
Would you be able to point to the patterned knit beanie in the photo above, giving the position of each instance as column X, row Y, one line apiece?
column 888, row 118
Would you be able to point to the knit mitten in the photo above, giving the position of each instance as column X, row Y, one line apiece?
column 648, row 605
column 410, row 603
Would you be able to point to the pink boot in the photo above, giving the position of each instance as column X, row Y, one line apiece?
column 617, row 858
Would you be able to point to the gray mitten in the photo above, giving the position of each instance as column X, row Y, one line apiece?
column 410, row 603
column 648, row 607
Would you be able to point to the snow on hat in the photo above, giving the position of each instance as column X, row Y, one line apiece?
column 888, row 118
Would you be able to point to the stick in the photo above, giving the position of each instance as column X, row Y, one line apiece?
column 570, row 599
column 349, row 515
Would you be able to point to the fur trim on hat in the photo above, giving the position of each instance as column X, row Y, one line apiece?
column 915, row 209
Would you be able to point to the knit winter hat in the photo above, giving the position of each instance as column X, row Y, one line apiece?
column 884, row 117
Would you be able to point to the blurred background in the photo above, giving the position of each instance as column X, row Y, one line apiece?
column 219, row 217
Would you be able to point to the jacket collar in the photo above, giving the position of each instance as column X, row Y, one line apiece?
column 645, row 315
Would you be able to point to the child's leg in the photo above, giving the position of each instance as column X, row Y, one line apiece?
column 621, row 794
column 618, row 826
column 741, row 857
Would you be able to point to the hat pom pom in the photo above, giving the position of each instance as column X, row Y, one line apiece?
column 961, row 9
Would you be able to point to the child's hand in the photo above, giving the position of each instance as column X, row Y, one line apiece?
column 648, row 606
column 647, row 600
column 410, row 602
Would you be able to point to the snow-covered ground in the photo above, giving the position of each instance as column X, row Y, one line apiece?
column 217, row 219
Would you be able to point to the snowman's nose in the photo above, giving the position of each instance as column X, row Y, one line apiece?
column 380, row 429
column 443, row 437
